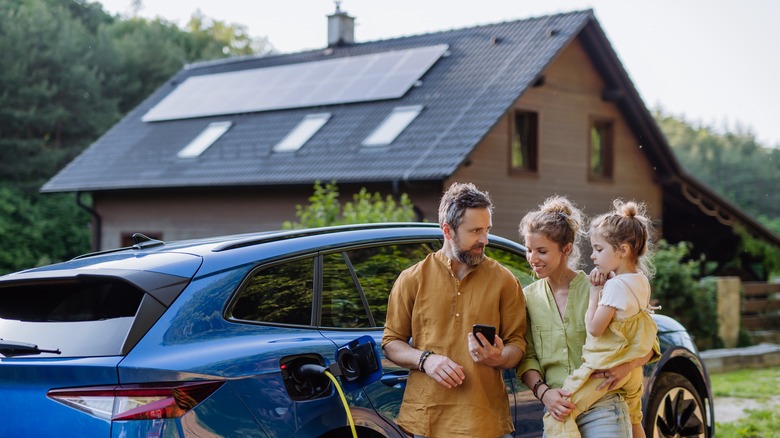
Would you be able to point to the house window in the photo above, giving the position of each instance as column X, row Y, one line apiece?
column 524, row 147
column 302, row 132
column 211, row 134
column 601, row 149
column 393, row 125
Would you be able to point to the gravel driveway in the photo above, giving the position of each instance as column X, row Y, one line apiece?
column 728, row 409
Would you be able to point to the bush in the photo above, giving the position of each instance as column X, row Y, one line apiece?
column 324, row 209
column 691, row 302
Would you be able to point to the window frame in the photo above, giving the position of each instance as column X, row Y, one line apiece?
column 532, row 120
column 606, row 152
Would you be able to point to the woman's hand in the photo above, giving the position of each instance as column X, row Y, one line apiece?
column 557, row 402
column 615, row 374
column 612, row 376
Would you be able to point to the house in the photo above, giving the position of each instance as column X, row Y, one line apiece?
column 524, row 109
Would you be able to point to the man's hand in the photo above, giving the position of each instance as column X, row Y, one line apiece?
column 497, row 356
column 443, row 370
column 486, row 354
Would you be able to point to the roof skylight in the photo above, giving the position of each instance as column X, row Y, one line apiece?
column 206, row 138
column 302, row 132
column 393, row 125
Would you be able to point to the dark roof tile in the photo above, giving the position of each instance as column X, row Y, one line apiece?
column 464, row 93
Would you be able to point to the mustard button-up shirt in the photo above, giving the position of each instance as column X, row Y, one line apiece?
column 436, row 311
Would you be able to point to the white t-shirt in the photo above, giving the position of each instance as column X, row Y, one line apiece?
column 628, row 293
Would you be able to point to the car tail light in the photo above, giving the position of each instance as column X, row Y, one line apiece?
column 137, row 402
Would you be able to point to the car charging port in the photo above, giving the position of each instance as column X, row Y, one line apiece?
column 303, row 377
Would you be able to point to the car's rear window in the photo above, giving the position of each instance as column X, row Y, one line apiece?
column 78, row 318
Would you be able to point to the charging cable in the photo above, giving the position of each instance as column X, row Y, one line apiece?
column 318, row 369
column 344, row 401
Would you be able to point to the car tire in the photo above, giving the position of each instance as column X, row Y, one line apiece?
column 675, row 409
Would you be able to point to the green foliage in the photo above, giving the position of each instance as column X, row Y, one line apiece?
column 732, row 163
column 41, row 230
column 761, row 250
column 69, row 72
column 215, row 39
column 692, row 303
column 324, row 209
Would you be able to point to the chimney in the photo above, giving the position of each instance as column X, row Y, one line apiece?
column 341, row 28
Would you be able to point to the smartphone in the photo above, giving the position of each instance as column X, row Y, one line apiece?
column 488, row 331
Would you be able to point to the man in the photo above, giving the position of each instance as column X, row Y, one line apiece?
column 455, row 386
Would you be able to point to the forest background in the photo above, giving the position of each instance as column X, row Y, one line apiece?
column 71, row 71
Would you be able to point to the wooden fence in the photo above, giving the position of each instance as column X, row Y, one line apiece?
column 761, row 306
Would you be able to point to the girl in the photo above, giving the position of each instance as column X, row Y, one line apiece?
column 618, row 320
column 556, row 305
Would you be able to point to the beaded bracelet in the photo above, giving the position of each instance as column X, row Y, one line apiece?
column 423, row 357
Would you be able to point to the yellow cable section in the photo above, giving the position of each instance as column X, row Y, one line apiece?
column 344, row 401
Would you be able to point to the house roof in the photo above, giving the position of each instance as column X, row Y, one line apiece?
column 482, row 72
column 463, row 94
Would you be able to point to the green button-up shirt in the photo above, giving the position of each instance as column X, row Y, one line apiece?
column 554, row 345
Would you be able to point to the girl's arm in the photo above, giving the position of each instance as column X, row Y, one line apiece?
column 597, row 318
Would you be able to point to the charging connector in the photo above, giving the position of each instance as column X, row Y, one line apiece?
column 310, row 370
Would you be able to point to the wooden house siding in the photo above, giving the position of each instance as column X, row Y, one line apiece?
column 186, row 214
column 566, row 103
column 192, row 213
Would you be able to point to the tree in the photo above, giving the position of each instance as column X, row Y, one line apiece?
column 733, row 164
column 70, row 71
column 324, row 209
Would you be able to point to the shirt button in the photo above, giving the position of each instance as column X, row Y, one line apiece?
column 458, row 293
column 457, row 314
column 565, row 350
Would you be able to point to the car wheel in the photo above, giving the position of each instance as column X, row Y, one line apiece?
column 675, row 409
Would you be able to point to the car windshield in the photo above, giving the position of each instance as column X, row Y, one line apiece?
column 78, row 318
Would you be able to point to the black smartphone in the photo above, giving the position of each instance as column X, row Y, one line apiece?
column 488, row 331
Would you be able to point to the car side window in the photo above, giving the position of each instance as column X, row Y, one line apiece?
column 514, row 262
column 342, row 305
column 378, row 267
column 280, row 294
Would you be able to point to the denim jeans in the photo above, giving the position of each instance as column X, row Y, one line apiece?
column 607, row 417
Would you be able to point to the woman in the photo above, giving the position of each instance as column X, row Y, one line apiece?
column 556, row 306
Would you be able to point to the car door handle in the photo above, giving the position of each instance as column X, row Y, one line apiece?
column 396, row 380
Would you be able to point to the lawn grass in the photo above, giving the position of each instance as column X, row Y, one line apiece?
column 754, row 383
column 758, row 384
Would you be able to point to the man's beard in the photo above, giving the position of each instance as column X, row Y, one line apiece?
column 466, row 256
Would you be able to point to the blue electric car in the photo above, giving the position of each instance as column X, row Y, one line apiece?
column 252, row 335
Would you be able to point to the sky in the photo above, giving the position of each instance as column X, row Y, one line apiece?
column 714, row 63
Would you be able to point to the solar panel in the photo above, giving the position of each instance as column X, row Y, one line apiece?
column 386, row 75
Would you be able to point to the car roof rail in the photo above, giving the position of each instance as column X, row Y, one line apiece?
column 304, row 232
